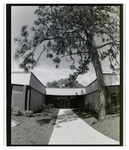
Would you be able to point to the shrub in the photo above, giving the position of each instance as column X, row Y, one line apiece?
column 51, row 106
column 89, row 108
column 16, row 111
column 28, row 113
column 46, row 108
column 113, row 109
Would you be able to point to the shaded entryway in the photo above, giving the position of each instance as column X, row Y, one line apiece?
column 66, row 101
column 72, row 130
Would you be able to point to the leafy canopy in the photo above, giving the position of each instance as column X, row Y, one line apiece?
column 69, row 31
column 64, row 83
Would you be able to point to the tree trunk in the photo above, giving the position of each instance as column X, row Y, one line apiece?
column 108, row 99
column 100, row 82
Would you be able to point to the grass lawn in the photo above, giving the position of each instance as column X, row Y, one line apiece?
column 109, row 127
column 33, row 130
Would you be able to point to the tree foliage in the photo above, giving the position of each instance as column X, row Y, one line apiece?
column 68, row 31
column 65, row 83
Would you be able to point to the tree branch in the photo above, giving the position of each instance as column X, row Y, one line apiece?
column 41, row 54
column 109, row 43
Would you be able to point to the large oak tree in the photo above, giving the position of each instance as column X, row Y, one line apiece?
column 89, row 32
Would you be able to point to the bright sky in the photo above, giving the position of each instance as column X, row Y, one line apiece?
column 46, row 71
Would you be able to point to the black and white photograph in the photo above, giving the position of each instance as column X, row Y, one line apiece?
column 64, row 74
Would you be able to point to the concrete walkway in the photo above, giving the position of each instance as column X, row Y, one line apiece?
column 71, row 130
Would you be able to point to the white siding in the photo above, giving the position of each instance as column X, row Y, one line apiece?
column 65, row 91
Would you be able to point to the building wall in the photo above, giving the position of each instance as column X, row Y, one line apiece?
column 92, row 96
column 28, row 93
column 36, row 84
column 36, row 100
column 27, row 78
column 92, row 99
column 92, row 87
column 114, row 94
column 113, row 89
column 109, row 80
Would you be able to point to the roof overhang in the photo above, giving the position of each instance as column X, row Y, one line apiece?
column 66, row 91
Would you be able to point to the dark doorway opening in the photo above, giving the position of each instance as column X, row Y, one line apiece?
column 66, row 101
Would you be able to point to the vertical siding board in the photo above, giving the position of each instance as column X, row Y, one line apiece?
column 24, row 97
column 28, row 99
column 31, row 99
column 37, row 100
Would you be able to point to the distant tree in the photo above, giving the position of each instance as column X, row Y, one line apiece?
column 65, row 83
column 89, row 32
column 52, row 84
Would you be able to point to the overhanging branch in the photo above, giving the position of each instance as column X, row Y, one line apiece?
column 109, row 43
column 41, row 53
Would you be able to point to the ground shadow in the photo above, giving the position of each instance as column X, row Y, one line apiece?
column 72, row 115
column 43, row 121
column 68, row 115
column 84, row 114
column 47, row 117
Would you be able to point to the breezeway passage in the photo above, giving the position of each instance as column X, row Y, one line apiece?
column 71, row 130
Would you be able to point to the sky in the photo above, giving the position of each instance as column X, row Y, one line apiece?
column 45, row 71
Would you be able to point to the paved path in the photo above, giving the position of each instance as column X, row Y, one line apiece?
column 70, row 129
column 14, row 123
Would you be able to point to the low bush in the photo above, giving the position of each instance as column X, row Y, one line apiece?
column 16, row 111
column 51, row 106
column 28, row 113
column 89, row 108
column 46, row 108
column 113, row 109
